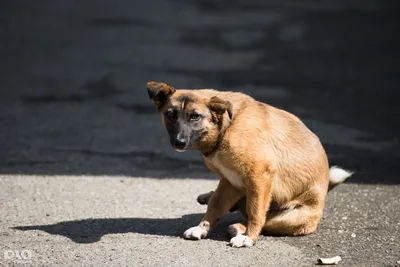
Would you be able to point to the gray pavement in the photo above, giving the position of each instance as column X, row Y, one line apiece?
column 86, row 171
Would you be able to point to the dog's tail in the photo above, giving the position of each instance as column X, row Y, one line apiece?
column 337, row 176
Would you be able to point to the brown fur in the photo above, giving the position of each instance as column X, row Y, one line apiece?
column 260, row 152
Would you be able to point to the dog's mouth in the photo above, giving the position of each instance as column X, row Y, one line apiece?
column 180, row 150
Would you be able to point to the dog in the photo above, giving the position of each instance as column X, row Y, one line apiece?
column 268, row 161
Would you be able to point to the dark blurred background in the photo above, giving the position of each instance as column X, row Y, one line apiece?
column 73, row 73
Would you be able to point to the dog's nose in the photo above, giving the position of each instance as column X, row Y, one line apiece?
column 180, row 143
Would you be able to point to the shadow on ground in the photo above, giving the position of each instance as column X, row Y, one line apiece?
column 92, row 230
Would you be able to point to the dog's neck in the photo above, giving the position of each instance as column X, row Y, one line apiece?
column 209, row 150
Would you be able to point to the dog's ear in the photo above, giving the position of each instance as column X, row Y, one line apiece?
column 220, row 106
column 159, row 92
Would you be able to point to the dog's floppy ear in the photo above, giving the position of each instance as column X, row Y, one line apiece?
column 220, row 106
column 159, row 92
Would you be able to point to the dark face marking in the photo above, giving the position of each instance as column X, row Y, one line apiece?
column 184, row 123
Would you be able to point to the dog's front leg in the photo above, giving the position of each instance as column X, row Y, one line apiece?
column 224, row 197
column 258, row 194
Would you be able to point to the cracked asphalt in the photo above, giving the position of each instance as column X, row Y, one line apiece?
column 87, row 175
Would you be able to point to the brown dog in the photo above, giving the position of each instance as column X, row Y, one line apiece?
column 260, row 152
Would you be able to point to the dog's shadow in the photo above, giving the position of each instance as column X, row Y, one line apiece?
column 92, row 230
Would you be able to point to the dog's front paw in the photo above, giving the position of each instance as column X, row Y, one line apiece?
column 241, row 241
column 236, row 229
column 195, row 233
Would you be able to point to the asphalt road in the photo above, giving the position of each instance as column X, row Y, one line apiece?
column 87, row 176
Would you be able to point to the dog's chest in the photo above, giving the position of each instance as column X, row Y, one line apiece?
column 233, row 177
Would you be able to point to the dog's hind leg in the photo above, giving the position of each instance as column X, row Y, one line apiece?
column 301, row 220
column 204, row 198
column 298, row 221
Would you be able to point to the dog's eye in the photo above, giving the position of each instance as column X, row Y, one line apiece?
column 195, row 117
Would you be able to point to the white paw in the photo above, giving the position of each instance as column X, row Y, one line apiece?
column 241, row 241
column 233, row 230
column 195, row 233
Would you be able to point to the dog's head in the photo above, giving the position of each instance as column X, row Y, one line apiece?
column 192, row 118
